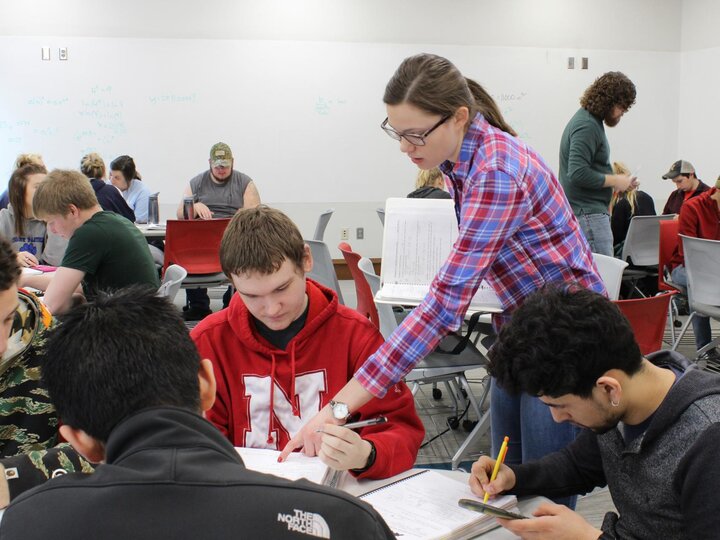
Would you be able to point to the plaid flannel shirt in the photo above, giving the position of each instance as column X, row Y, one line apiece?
column 517, row 231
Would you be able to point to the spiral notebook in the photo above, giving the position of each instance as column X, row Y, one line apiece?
column 417, row 239
column 425, row 507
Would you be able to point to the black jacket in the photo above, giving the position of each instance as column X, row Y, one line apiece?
column 111, row 200
column 677, row 198
column 171, row 474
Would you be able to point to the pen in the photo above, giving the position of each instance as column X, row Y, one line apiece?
column 498, row 462
column 361, row 423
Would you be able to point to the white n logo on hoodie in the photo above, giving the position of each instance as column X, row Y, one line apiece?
column 308, row 388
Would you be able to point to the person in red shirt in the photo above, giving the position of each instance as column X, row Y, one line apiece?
column 688, row 185
column 700, row 218
column 284, row 347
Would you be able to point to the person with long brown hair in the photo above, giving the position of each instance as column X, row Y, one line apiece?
column 28, row 235
column 516, row 231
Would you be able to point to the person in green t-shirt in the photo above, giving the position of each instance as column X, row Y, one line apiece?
column 585, row 172
column 105, row 251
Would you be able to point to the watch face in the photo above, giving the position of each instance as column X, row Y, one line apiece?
column 340, row 410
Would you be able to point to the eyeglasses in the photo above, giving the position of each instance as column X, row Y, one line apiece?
column 415, row 140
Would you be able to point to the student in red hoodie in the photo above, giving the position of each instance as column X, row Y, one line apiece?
column 284, row 347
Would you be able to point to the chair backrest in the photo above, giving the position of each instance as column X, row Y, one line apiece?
column 381, row 215
column 322, row 224
column 365, row 297
column 323, row 270
column 642, row 243
column 668, row 242
column 388, row 322
column 648, row 319
column 194, row 244
column 702, row 262
column 611, row 272
column 171, row 282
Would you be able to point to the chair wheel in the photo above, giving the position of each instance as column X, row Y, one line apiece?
column 469, row 425
column 453, row 422
column 677, row 324
column 463, row 392
column 436, row 393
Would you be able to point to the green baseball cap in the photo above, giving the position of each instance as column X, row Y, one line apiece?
column 221, row 155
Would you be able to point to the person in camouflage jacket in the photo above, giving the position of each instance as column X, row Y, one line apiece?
column 29, row 449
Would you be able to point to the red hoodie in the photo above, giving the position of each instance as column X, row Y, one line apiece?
column 317, row 363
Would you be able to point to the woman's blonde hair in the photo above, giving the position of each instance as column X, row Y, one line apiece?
column 619, row 167
column 92, row 166
column 29, row 159
column 430, row 178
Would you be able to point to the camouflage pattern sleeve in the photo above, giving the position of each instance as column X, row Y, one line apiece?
column 26, row 471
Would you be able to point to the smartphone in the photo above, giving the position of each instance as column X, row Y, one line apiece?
column 488, row 509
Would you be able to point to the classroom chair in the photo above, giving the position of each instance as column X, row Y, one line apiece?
column 365, row 302
column 323, row 270
column 171, row 282
column 449, row 363
column 702, row 260
column 322, row 223
column 611, row 273
column 648, row 318
column 641, row 248
column 668, row 242
column 194, row 244
column 381, row 214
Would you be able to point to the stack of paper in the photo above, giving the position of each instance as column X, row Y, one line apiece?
column 425, row 507
column 417, row 239
column 296, row 466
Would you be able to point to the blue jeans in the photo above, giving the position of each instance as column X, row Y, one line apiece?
column 597, row 231
column 701, row 325
column 533, row 432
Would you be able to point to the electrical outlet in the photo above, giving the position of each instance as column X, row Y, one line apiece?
column 360, row 233
column 584, row 62
column 571, row 62
column 345, row 234
column 62, row 53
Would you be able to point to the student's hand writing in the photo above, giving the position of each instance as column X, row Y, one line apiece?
column 553, row 522
column 480, row 477
column 308, row 438
column 26, row 259
column 202, row 211
column 343, row 448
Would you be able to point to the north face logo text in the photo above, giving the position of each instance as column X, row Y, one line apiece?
column 306, row 523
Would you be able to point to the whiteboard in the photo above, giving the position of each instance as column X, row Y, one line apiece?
column 302, row 118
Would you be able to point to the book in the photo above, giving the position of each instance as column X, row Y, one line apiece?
column 417, row 239
column 425, row 507
column 296, row 466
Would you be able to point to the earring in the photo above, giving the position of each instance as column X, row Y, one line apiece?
column 614, row 403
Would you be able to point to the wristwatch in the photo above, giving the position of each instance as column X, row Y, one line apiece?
column 340, row 410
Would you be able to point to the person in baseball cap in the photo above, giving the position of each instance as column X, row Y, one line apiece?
column 218, row 192
column 688, row 185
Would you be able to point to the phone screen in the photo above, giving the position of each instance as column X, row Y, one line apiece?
column 478, row 506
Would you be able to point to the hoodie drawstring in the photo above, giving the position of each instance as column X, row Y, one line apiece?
column 295, row 409
column 272, row 400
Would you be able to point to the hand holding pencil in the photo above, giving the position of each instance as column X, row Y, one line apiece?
column 490, row 477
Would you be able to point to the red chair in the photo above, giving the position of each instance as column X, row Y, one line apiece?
column 194, row 244
column 365, row 299
column 647, row 317
column 668, row 242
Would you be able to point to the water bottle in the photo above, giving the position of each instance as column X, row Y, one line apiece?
column 153, row 209
column 188, row 208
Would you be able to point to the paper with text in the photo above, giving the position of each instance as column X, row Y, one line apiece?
column 417, row 239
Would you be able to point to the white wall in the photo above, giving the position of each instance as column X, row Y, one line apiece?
column 699, row 80
column 474, row 33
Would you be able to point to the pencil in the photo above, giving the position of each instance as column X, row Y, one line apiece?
column 498, row 462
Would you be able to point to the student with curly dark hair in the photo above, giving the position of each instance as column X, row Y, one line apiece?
column 652, row 424
column 585, row 171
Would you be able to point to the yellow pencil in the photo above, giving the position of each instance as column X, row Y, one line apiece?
column 498, row 462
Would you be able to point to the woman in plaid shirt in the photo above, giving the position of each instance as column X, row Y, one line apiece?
column 516, row 231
